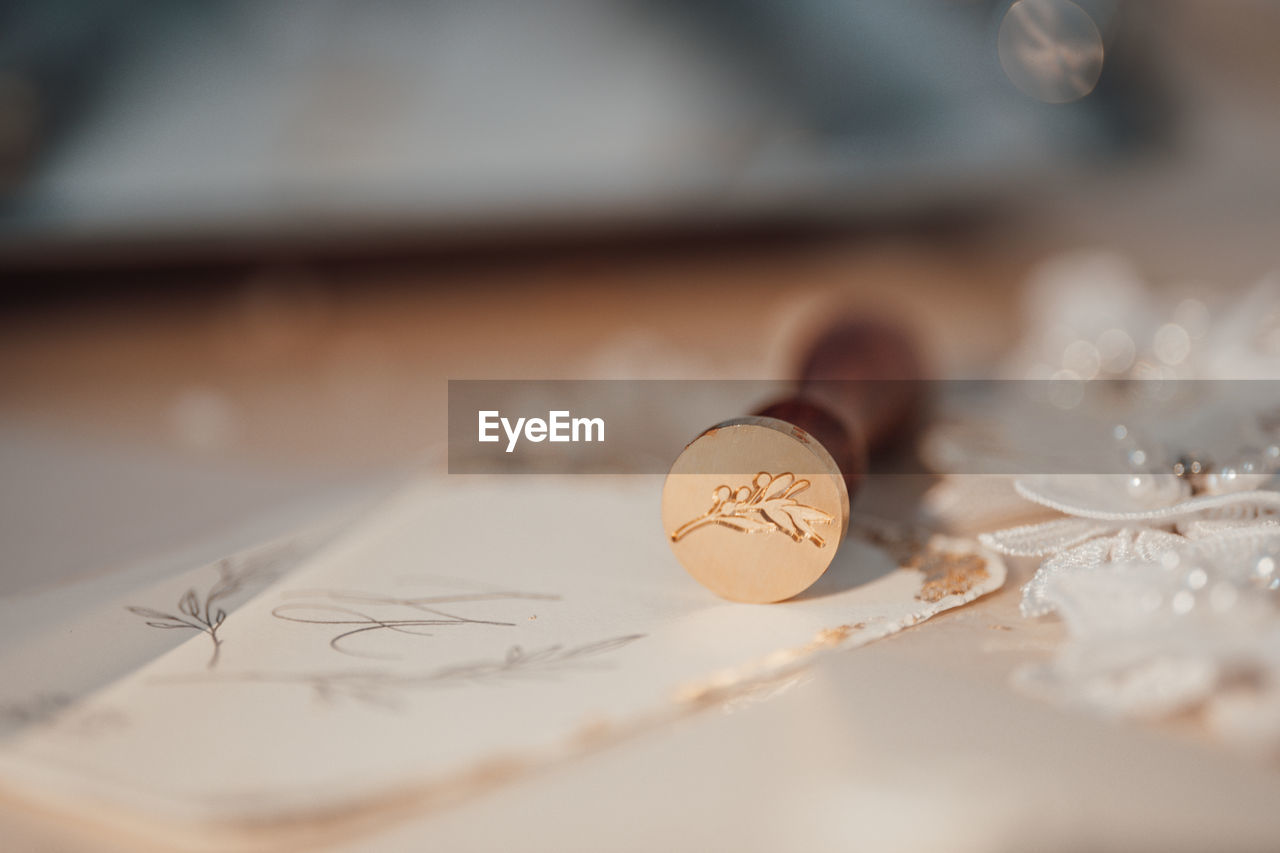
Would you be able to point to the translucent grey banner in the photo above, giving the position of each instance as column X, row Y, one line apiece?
column 1011, row 427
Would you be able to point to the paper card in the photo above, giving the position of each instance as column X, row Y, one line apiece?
column 59, row 644
column 468, row 629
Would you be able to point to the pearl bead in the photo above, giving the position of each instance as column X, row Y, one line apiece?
column 1265, row 567
column 1241, row 475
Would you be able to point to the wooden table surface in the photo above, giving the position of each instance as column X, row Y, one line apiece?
column 132, row 424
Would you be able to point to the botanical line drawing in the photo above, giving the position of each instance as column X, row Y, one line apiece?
column 385, row 689
column 60, row 709
column 767, row 505
column 359, row 613
column 35, row 709
column 206, row 615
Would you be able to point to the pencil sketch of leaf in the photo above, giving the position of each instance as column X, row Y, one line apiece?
column 156, row 619
column 601, row 647
column 387, row 689
column 767, row 505
column 37, row 708
column 197, row 615
column 148, row 613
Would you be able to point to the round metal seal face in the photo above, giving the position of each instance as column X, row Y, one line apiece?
column 754, row 509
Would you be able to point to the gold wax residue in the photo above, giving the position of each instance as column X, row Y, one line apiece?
column 731, row 683
column 593, row 732
column 947, row 573
column 836, row 636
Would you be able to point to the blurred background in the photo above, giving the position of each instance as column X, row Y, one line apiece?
column 160, row 130
column 243, row 245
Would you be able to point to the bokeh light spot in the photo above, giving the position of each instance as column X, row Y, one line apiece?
column 1050, row 49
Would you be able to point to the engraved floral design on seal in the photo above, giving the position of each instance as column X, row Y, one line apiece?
column 768, row 505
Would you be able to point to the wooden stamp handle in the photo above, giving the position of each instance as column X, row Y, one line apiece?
column 858, row 393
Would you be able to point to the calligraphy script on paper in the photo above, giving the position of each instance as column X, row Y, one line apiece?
column 386, row 689
column 359, row 614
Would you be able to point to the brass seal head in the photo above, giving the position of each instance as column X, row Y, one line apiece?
column 754, row 509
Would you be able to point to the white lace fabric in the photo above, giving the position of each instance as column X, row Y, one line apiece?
column 1170, row 600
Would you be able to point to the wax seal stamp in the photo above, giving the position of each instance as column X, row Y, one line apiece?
column 755, row 508
column 749, row 534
